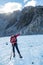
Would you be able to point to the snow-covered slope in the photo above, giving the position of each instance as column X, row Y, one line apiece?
column 31, row 48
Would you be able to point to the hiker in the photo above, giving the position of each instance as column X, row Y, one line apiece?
column 13, row 41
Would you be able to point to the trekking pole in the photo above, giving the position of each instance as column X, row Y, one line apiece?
column 11, row 55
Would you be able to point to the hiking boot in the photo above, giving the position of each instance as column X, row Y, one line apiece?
column 21, row 56
column 13, row 54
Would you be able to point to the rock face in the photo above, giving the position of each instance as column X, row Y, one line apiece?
column 28, row 21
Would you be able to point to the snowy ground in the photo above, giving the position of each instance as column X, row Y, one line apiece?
column 31, row 48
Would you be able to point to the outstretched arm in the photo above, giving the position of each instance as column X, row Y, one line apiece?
column 17, row 35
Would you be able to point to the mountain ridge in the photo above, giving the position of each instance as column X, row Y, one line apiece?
column 29, row 21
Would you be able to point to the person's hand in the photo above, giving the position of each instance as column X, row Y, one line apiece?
column 20, row 33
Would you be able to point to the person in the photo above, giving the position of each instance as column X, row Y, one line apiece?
column 13, row 41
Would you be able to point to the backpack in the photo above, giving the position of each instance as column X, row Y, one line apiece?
column 13, row 40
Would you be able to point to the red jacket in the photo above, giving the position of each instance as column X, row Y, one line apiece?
column 13, row 38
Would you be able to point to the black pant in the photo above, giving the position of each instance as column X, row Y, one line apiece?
column 15, row 46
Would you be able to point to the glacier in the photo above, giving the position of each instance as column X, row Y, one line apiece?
column 30, row 46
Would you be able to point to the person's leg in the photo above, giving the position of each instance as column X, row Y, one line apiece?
column 13, row 50
column 18, row 50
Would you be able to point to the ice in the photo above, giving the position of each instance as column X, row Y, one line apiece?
column 30, row 46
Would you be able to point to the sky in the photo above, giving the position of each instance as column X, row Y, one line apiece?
column 7, row 6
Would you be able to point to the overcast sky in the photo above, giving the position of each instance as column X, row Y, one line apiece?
column 11, row 5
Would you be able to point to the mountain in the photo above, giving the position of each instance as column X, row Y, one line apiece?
column 28, row 21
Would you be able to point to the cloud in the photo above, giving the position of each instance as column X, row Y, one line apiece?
column 25, row 1
column 30, row 3
column 10, row 7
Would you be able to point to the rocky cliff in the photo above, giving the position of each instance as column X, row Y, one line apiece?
column 28, row 21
